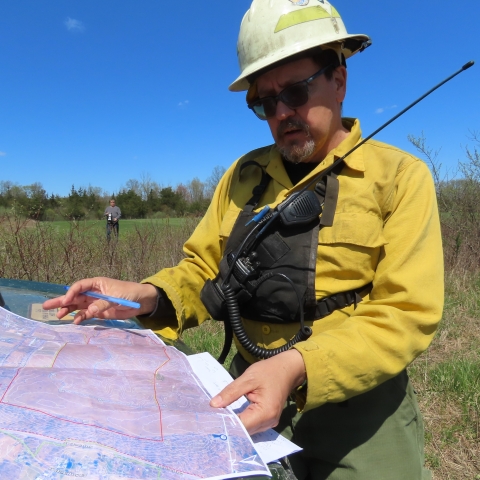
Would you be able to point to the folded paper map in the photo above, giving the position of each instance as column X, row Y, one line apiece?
column 105, row 403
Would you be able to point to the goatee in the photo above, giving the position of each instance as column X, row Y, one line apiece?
column 296, row 153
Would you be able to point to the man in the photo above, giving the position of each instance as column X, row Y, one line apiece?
column 348, row 272
column 113, row 214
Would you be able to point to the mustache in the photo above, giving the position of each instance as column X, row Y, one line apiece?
column 292, row 123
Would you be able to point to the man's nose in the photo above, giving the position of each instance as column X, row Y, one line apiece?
column 283, row 111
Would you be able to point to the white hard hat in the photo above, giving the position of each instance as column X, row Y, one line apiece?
column 273, row 30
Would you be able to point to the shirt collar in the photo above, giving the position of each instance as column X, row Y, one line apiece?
column 355, row 160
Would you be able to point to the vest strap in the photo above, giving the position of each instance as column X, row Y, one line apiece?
column 258, row 190
column 327, row 305
column 331, row 196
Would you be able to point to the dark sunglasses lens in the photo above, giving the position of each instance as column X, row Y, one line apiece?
column 265, row 108
column 295, row 95
column 259, row 110
column 269, row 105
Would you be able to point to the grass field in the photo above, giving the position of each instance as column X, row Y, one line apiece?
column 126, row 226
column 447, row 380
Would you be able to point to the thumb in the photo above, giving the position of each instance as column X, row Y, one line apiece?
column 254, row 419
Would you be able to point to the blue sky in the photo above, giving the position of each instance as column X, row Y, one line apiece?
column 99, row 92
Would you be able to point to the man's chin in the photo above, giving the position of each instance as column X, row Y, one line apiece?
column 298, row 153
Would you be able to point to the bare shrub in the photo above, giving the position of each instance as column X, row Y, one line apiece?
column 458, row 203
column 39, row 252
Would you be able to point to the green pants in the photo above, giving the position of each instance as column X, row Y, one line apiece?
column 376, row 435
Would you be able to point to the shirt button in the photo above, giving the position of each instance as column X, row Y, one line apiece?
column 265, row 329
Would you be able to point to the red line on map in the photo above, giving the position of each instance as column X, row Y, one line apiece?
column 80, row 423
column 57, row 354
column 155, row 390
column 91, row 425
column 9, row 385
column 96, row 426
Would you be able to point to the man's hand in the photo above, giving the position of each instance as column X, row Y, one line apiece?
column 88, row 307
column 267, row 385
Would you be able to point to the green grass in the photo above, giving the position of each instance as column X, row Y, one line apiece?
column 209, row 337
column 447, row 379
column 459, row 378
column 125, row 225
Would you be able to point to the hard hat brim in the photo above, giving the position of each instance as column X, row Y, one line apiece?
column 349, row 45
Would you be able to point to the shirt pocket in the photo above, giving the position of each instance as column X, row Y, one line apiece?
column 361, row 229
column 350, row 249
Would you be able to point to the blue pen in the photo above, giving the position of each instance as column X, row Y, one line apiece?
column 119, row 301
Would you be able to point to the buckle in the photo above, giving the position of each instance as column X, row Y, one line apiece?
column 323, row 309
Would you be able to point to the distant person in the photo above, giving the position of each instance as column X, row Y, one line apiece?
column 113, row 214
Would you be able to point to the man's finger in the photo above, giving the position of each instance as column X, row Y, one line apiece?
column 53, row 303
column 65, row 311
column 230, row 393
column 76, row 289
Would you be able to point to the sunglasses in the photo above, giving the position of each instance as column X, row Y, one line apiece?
column 293, row 96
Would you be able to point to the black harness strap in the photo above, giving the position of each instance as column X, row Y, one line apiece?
column 258, row 190
column 328, row 305
column 257, row 193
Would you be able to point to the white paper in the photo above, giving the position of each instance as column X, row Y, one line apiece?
column 270, row 445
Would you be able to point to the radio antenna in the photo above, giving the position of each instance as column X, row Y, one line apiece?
column 339, row 160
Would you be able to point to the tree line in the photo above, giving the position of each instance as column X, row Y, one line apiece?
column 138, row 198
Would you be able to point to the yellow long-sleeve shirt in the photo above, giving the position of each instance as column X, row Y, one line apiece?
column 386, row 231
